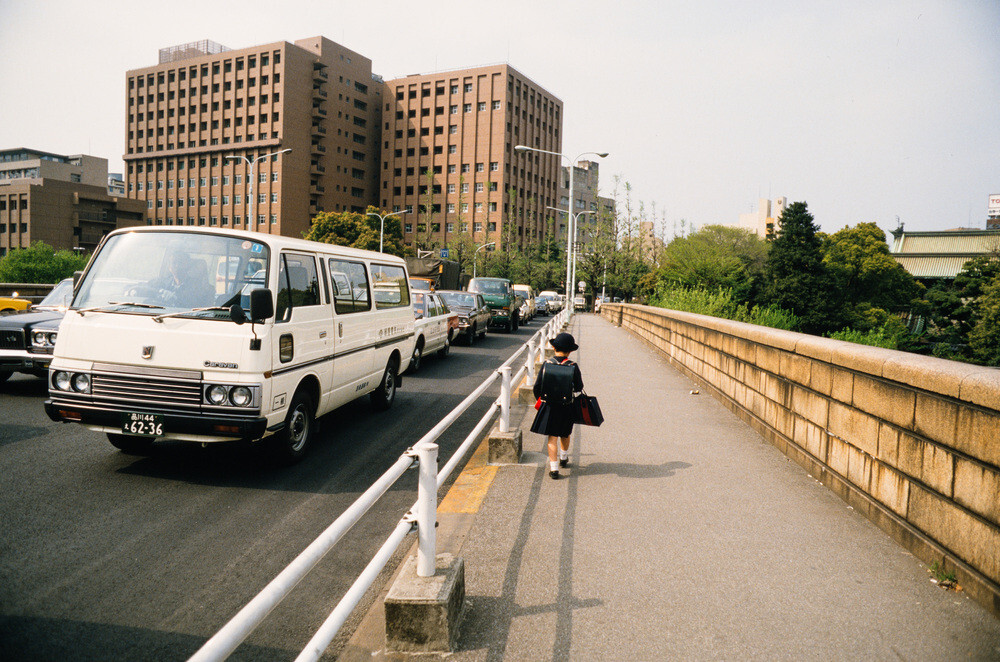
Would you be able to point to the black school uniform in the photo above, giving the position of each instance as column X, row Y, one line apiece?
column 555, row 420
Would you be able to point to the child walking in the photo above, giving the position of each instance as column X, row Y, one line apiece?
column 555, row 387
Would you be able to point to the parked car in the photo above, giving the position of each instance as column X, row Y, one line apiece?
column 421, row 284
column 504, row 303
column 554, row 300
column 542, row 305
column 12, row 304
column 473, row 313
column 28, row 337
column 431, row 327
column 579, row 302
column 528, row 294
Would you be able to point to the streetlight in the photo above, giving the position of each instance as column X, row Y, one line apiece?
column 571, row 235
column 252, row 213
column 475, row 255
column 573, row 223
column 382, row 218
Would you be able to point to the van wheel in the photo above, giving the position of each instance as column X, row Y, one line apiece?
column 383, row 396
column 131, row 445
column 443, row 352
column 293, row 441
column 418, row 353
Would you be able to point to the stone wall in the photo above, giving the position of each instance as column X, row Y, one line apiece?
column 912, row 442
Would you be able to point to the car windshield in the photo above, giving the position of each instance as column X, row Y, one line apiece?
column 156, row 273
column 489, row 286
column 459, row 300
column 59, row 298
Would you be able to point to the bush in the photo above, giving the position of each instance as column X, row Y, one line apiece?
column 721, row 303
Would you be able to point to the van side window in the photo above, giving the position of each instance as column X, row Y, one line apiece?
column 350, row 287
column 298, row 284
column 390, row 286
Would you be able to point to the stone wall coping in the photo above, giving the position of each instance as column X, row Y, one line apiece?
column 976, row 384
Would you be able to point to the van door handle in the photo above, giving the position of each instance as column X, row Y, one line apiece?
column 322, row 334
column 340, row 329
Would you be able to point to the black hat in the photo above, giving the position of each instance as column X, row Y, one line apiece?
column 564, row 342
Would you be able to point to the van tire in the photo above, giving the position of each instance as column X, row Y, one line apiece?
column 418, row 354
column 383, row 396
column 131, row 445
column 292, row 443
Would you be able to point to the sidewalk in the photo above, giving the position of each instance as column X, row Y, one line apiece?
column 679, row 533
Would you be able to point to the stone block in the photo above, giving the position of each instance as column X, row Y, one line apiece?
column 885, row 400
column 978, row 434
column 982, row 388
column 768, row 358
column 843, row 386
column 810, row 437
column 936, row 419
column 422, row 613
column 938, row 469
column 910, row 455
column 928, row 373
column 860, row 358
column 859, row 468
column 796, row 368
column 855, row 427
column 505, row 447
column 888, row 445
column 977, row 487
column 821, row 378
column 813, row 407
column 890, row 488
column 837, row 455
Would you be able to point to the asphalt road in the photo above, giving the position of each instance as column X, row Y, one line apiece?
column 109, row 556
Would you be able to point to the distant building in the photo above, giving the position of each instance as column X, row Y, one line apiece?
column 586, row 186
column 192, row 118
column 764, row 221
column 993, row 213
column 461, row 126
column 61, row 200
column 650, row 245
column 116, row 184
column 936, row 255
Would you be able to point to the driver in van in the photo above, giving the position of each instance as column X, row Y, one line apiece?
column 186, row 282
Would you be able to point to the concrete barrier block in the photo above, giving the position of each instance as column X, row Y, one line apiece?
column 810, row 437
column 893, row 403
column 890, row 488
column 837, row 455
column 910, row 457
column 936, row 419
column 422, row 613
column 746, row 350
column 505, row 447
column 813, row 407
column 978, row 434
column 982, row 388
column 977, row 487
column 938, row 469
column 821, row 378
column 843, row 386
column 861, row 358
column 928, row 373
column 768, row 358
column 795, row 368
column 888, row 445
column 859, row 468
column 855, row 427
column 968, row 537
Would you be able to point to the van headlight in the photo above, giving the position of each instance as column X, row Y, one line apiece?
column 216, row 394
column 71, row 382
column 232, row 395
column 241, row 396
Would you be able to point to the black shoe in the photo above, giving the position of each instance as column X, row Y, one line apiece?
column 554, row 475
column 564, row 462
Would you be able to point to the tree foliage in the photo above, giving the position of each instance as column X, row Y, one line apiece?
column 716, row 257
column 357, row 230
column 40, row 263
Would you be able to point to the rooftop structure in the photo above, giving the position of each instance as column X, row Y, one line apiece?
column 941, row 254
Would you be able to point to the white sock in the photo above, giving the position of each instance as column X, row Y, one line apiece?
column 563, row 455
column 553, row 466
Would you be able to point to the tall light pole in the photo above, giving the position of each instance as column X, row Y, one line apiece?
column 571, row 235
column 252, row 211
column 381, row 218
column 475, row 255
column 573, row 222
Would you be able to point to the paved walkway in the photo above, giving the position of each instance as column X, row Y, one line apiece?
column 679, row 533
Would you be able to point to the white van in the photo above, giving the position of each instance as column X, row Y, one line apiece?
column 211, row 335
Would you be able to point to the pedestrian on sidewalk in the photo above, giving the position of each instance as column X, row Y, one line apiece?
column 559, row 381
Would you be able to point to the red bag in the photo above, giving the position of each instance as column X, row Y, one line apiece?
column 538, row 404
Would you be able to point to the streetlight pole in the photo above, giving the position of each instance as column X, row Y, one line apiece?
column 252, row 211
column 571, row 234
column 475, row 256
column 574, row 218
column 381, row 218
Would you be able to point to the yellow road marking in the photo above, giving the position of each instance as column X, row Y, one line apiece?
column 469, row 489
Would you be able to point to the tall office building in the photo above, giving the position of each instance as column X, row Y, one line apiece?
column 586, row 191
column 61, row 200
column 764, row 222
column 202, row 125
column 461, row 127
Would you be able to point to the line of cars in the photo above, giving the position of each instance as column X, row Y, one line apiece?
column 28, row 336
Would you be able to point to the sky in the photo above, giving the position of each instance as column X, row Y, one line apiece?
column 867, row 110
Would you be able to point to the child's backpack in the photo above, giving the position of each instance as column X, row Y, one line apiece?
column 557, row 383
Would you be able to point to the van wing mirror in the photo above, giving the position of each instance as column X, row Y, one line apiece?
column 261, row 304
column 77, row 275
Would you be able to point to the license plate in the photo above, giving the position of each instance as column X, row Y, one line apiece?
column 142, row 425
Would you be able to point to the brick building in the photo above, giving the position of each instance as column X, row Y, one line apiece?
column 203, row 104
column 61, row 200
column 586, row 190
column 461, row 126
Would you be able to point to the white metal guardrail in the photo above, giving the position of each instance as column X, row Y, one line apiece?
column 422, row 515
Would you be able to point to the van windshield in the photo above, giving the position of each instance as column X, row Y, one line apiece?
column 155, row 273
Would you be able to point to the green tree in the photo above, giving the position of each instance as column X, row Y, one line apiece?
column 954, row 310
column 40, row 263
column 357, row 230
column 984, row 338
column 797, row 279
column 716, row 257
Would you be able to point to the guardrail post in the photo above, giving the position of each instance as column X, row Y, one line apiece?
column 426, row 509
column 529, row 363
column 505, row 399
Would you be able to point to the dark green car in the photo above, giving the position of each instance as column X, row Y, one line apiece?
column 501, row 299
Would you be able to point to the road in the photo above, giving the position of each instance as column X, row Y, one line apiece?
column 109, row 556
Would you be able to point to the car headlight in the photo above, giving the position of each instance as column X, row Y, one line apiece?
column 81, row 383
column 241, row 396
column 62, row 381
column 43, row 338
column 216, row 394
